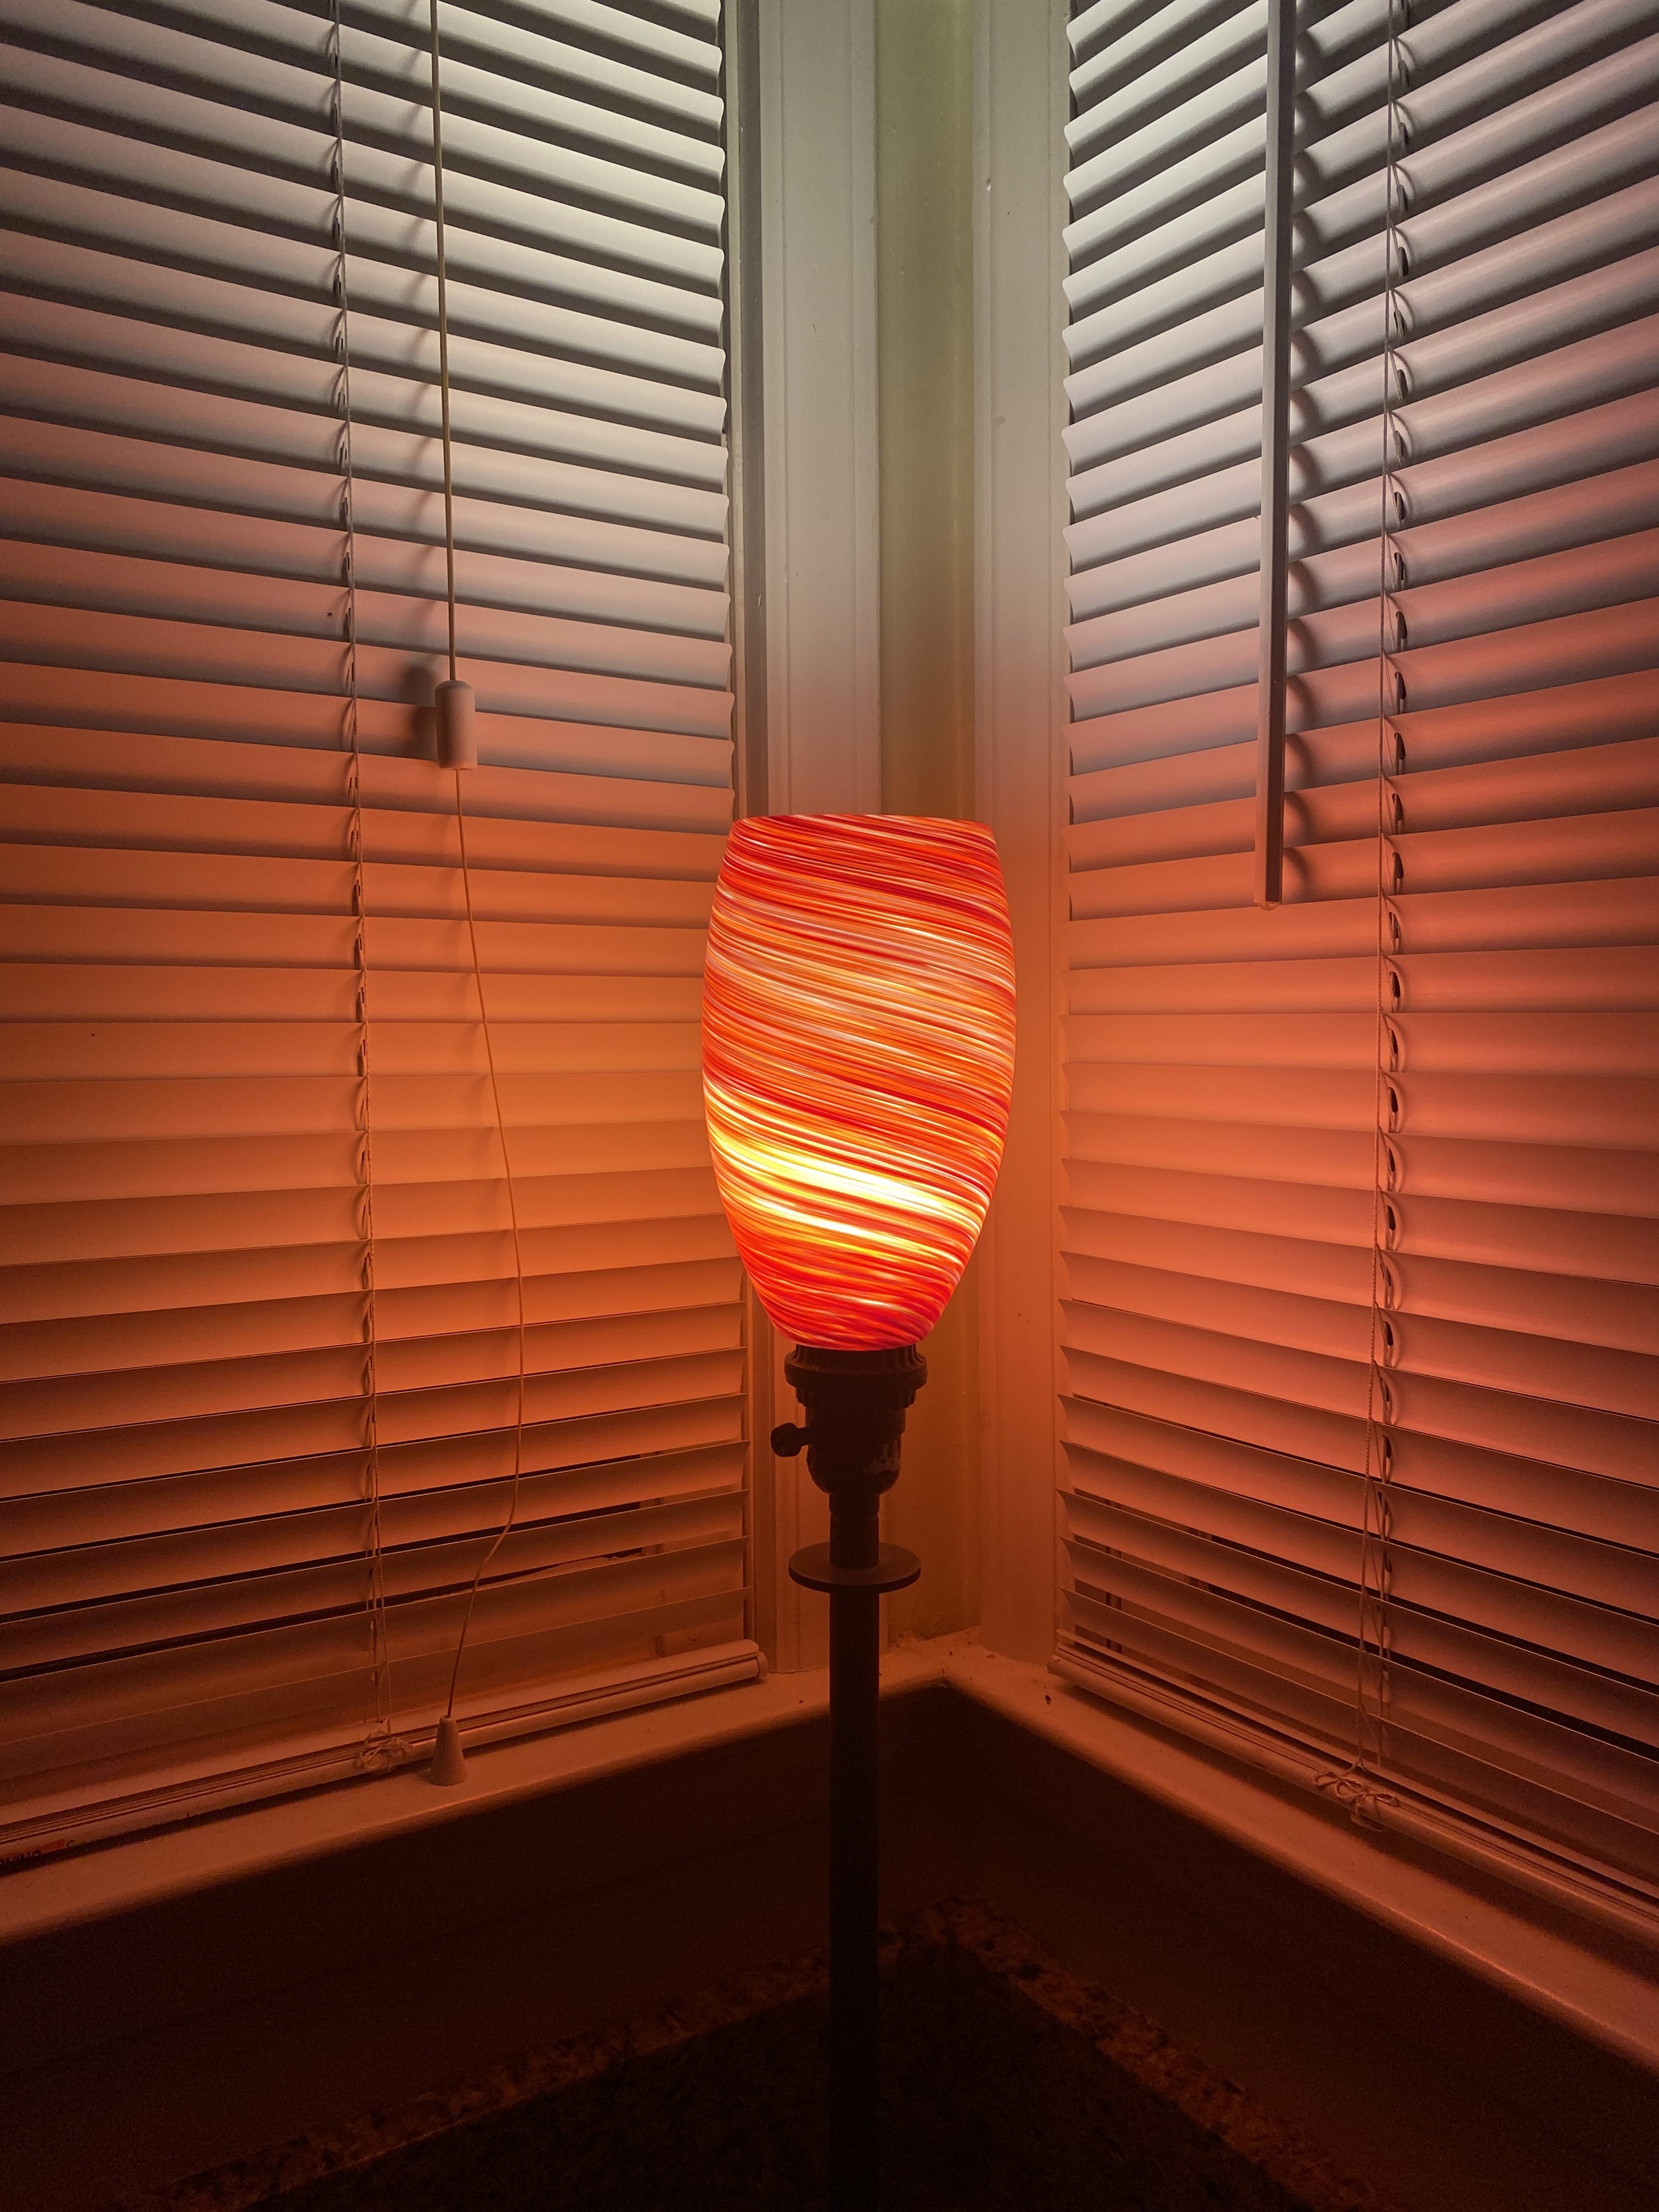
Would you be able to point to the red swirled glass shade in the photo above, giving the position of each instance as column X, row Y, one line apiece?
column 857, row 1054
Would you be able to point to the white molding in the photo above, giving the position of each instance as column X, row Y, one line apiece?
column 1455, row 1909
column 818, row 315
column 823, row 578
column 1020, row 115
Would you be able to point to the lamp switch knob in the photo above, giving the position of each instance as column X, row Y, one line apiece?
column 787, row 1441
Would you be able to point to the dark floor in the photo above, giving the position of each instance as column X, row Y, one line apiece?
column 1009, row 2086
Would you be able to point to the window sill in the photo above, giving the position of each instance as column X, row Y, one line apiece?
column 1604, row 1989
column 1606, row 1992
column 149, row 1869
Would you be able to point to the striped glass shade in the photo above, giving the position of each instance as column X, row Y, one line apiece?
column 857, row 1054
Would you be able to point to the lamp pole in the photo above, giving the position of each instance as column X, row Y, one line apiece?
column 855, row 1404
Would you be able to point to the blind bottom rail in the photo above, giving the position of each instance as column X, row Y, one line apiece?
column 1629, row 1906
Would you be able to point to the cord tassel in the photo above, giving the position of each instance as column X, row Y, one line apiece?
column 455, row 703
column 448, row 1767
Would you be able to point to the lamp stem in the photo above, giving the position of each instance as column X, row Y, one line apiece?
column 855, row 1403
column 855, row 1867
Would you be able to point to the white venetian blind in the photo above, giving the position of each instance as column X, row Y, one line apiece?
column 1363, row 1233
column 260, row 1318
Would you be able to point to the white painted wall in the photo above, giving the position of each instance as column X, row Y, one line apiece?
column 810, row 274
column 1020, row 109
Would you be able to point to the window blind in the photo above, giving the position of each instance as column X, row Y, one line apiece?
column 1360, row 1244
column 261, row 1325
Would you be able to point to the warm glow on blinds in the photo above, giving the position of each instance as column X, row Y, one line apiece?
column 1361, row 1235
column 858, row 1025
column 259, row 1324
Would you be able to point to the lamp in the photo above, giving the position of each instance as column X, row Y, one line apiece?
column 858, row 1052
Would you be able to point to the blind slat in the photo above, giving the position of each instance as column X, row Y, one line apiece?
column 1460, row 540
column 1593, row 390
column 1336, row 316
column 1128, row 241
column 175, row 1510
column 1337, row 253
column 1183, row 425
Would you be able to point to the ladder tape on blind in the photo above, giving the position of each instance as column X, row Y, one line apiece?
column 1359, row 1784
column 381, row 1749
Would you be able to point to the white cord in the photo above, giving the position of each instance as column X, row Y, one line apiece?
column 518, row 1260
column 449, row 1750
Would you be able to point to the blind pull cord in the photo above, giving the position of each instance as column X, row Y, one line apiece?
column 453, row 702
column 458, row 749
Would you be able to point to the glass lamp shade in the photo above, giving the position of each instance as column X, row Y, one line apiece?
column 858, row 1056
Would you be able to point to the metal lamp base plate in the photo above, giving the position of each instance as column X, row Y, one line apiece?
column 892, row 1569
